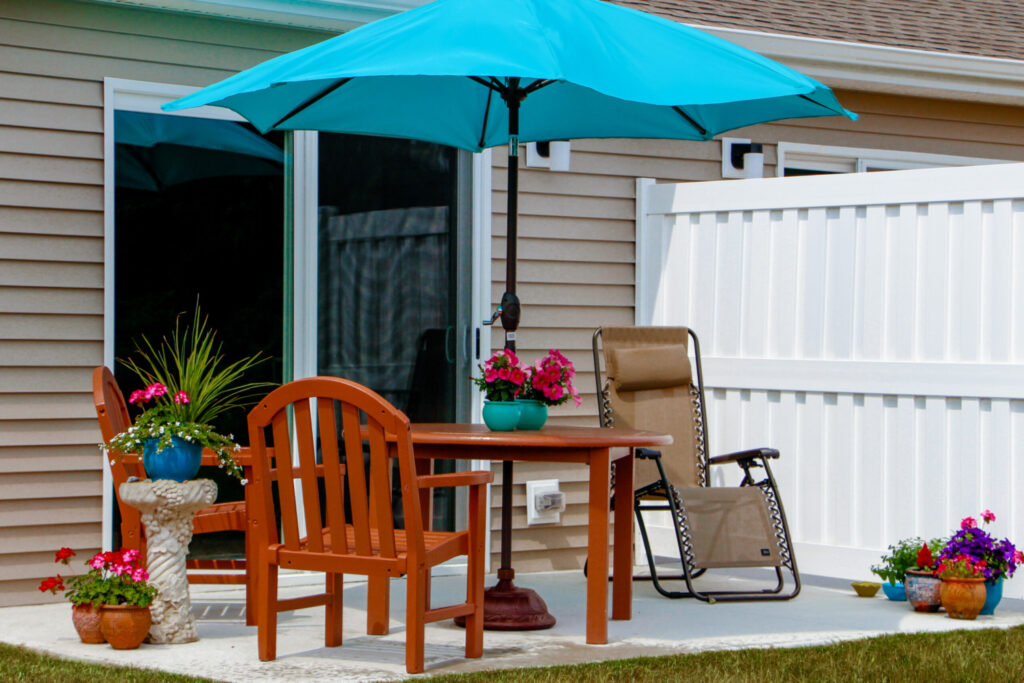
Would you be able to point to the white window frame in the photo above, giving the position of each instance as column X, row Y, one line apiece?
column 832, row 159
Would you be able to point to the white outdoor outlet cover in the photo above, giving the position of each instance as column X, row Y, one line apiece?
column 533, row 490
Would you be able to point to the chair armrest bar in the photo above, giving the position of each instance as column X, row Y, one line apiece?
column 455, row 479
column 646, row 453
column 745, row 455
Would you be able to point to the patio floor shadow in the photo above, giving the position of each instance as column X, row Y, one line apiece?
column 823, row 613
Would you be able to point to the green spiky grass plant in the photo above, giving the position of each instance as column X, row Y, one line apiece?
column 194, row 386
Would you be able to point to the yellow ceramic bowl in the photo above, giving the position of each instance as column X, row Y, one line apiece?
column 866, row 589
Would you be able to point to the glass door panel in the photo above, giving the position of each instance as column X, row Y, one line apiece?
column 199, row 217
column 387, row 293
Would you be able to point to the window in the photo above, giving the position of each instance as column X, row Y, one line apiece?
column 796, row 159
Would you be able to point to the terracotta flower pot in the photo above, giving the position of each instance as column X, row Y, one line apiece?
column 963, row 598
column 86, row 619
column 125, row 626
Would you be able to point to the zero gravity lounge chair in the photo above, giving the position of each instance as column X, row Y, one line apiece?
column 650, row 385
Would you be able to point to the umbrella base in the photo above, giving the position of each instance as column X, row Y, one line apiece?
column 508, row 607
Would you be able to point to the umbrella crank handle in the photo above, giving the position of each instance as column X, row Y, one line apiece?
column 495, row 316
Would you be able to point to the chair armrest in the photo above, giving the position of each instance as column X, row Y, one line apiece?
column 455, row 479
column 739, row 456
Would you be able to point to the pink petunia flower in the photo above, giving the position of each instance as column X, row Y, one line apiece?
column 181, row 397
column 968, row 523
column 988, row 516
column 138, row 396
column 504, row 373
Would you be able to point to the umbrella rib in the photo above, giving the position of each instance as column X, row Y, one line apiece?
column 312, row 100
column 487, row 115
column 700, row 129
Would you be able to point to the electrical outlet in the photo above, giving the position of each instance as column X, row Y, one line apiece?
column 542, row 494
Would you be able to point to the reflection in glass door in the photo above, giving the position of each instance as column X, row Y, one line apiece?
column 388, row 276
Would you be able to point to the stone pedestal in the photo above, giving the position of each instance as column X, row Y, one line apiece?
column 166, row 508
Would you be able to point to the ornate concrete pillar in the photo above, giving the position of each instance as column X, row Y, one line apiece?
column 166, row 508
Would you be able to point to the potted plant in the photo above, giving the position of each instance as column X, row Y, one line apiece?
column 110, row 601
column 549, row 383
column 998, row 558
column 901, row 557
column 188, row 385
column 963, row 586
column 502, row 379
column 921, row 582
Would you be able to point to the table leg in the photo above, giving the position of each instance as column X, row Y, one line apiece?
column 597, row 548
column 622, row 545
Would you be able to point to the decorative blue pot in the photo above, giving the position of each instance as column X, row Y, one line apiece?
column 179, row 462
column 894, row 591
column 993, row 594
column 533, row 414
column 923, row 590
column 501, row 416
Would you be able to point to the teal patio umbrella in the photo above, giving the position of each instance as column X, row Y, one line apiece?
column 479, row 73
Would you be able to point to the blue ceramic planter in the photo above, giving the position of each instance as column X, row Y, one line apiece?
column 501, row 416
column 533, row 414
column 179, row 462
column 993, row 594
column 894, row 591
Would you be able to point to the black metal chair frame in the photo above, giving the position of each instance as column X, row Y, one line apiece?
column 747, row 460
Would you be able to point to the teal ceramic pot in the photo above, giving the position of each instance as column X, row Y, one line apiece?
column 993, row 594
column 923, row 591
column 533, row 414
column 894, row 591
column 178, row 462
column 501, row 416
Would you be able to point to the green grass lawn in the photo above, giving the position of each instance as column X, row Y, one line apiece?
column 991, row 656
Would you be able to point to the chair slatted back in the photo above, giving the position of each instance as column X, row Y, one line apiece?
column 112, row 412
column 297, row 429
column 650, row 385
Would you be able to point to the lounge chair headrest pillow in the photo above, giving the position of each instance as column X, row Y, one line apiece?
column 650, row 367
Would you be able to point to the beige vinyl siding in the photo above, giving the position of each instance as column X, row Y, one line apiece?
column 54, row 55
column 576, row 252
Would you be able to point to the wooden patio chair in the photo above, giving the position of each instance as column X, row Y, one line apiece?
column 650, row 385
column 112, row 412
column 369, row 545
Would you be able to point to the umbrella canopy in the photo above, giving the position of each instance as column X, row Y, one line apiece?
column 475, row 74
column 576, row 68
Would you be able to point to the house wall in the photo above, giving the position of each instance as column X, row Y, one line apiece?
column 576, row 250
column 53, row 57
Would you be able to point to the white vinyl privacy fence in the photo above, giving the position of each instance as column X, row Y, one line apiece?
column 871, row 327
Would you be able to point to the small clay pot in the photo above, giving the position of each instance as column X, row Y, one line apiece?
column 963, row 598
column 125, row 626
column 86, row 619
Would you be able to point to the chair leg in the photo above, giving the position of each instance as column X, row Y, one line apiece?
column 332, row 628
column 378, row 605
column 251, row 561
column 415, row 622
column 266, row 619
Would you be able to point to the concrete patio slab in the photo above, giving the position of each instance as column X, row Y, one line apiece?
column 227, row 648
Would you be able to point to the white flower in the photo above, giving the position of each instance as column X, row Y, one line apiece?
column 244, row 482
